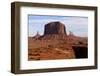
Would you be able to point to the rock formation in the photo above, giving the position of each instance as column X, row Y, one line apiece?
column 37, row 36
column 55, row 28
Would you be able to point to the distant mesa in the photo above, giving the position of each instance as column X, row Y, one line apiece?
column 55, row 28
column 37, row 36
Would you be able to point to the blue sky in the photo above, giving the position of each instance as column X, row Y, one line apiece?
column 77, row 25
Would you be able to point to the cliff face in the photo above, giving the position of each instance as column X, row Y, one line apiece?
column 54, row 28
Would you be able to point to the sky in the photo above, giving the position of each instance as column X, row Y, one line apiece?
column 77, row 25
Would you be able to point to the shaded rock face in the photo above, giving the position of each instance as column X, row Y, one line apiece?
column 54, row 28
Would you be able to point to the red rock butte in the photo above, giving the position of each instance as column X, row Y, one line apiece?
column 55, row 28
